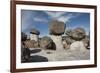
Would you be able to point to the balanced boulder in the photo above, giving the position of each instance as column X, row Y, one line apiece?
column 57, row 27
column 35, row 31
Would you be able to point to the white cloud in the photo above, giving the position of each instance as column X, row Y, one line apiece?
column 61, row 16
column 55, row 14
column 65, row 18
column 40, row 19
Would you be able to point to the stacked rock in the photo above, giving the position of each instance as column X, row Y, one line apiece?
column 34, row 34
column 57, row 28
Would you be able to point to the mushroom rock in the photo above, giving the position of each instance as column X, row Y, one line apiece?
column 47, row 43
column 57, row 28
column 78, row 33
column 34, row 34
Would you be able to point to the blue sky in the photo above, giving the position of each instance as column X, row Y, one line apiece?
column 41, row 19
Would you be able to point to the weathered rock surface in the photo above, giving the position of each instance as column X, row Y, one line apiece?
column 58, row 41
column 31, row 43
column 77, row 46
column 34, row 37
column 77, row 33
column 67, row 41
column 47, row 43
column 57, row 27
column 25, row 52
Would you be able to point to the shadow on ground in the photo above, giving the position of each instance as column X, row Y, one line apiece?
column 36, row 58
column 35, row 50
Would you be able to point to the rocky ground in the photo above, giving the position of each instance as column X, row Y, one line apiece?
column 75, row 43
column 60, row 55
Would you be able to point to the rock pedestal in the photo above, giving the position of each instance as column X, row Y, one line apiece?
column 57, row 39
column 34, row 35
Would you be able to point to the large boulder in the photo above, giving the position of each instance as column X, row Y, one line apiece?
column 57, row 27
column 77, row 33
column 25, row 52
column 47, row 43
column 31, row 43
column 67, row 41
